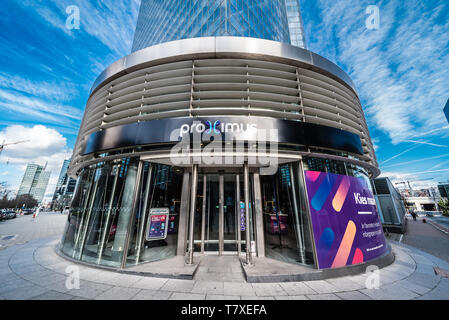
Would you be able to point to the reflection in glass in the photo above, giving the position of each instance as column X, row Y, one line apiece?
column 160, row 187
column 95, row 233
column 285, row 217
column 221, row 193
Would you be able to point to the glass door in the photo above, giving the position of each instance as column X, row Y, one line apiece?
column 215, row 229
column 212, row 214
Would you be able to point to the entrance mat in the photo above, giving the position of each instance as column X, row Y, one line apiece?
column 270, row 270
column 174, row 268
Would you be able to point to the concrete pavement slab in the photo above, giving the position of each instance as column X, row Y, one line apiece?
column 291, row 298
column 353, row 295
column 238, row 289
column 322, row 286
column 53, row 295
column 178, row 285
column 269, row 289
column 413, row 287
column 425, row 280
column 440, row 292
column 324, row 296
column 297, row 288
column 187, row 296
column 89, row 289
column 256, row 298
column 221, row 297
column 145, row 294
column 118, row 293
column 24, row 293
column 208, row 287
column 124, row 280
column 344, row 284
column 390, row 292
column 48, row 280
column 150, row 283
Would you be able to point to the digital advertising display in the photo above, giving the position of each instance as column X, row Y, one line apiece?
column 345, row 222
column 157, row 224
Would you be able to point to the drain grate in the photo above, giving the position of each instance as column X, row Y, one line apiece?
column 442, row 272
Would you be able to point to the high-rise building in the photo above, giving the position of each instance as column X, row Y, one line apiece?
column 64, row 188
column 222, row 135
column 35, row 181
column 295, row 24
column 390, row 204
column 166, row 20
column 443, row 189
column 446, row 110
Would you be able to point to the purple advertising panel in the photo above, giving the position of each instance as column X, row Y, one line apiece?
column 345, row 222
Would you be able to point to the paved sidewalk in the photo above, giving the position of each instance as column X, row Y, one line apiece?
column 34, row 271
column 426, row 237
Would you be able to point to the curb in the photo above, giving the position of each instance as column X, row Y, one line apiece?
column 439, row 227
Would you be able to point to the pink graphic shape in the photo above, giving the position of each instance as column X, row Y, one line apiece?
column 341, row 258
column 313, row 175
column 358, row 256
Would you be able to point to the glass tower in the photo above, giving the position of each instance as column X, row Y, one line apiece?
column 34, row 182
column 166, row 20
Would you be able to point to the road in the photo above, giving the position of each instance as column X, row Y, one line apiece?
column 426, row 237
column 24, row 228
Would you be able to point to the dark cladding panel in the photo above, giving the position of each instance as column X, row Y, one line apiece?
column 156, row 131
column 241, row 128
column 111, row 138
column 328, row 137
column 94, row 142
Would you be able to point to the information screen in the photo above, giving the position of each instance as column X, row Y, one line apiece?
column 157, row 224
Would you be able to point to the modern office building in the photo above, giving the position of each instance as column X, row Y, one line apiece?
column 34, row 181
column 223, row 145
column 64, row 188
column 167, row 20
column 446, row 110
column 443, row 189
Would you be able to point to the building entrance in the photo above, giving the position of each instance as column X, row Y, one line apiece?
column 220, row 214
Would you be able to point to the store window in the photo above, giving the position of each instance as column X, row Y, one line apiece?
column 97, row 225
column 154, row 232
column 286, row 226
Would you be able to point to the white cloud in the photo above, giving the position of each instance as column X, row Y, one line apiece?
column 400, row 70
column 18, row 102
column 51, row 90
column 403, row 180
column 45, row 145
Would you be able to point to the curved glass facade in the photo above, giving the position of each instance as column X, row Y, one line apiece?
column 116, row 218
column 166, row 20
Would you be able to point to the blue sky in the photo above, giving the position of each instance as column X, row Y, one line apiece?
column 400, row 71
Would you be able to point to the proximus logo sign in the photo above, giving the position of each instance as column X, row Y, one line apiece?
column 225, row 143
column 217, row 127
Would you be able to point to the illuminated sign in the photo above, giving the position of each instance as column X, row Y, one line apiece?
column 157, row 224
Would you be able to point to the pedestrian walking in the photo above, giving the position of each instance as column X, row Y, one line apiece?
column 36, row 213
column 413, row 215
